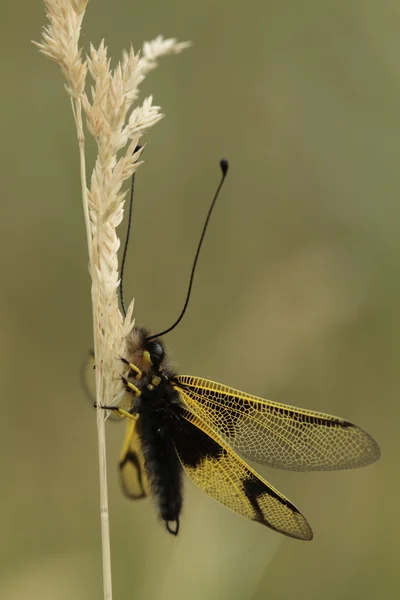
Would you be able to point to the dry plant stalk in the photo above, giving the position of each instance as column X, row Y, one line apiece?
column 117, row 128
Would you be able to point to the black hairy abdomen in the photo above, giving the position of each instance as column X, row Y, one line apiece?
column 158, row 419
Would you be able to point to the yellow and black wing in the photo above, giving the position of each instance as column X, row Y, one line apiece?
column 225, row 477
column 275, row 434
column 131, row 465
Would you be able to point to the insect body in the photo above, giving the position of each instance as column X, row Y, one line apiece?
column 180, row 423
column 157, row 411
column 193, row 425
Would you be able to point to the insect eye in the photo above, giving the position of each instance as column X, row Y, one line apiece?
column 156, row 353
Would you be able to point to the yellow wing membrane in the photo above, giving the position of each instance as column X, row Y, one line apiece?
column 225, row 477
column 275, row 434
column 131, row 464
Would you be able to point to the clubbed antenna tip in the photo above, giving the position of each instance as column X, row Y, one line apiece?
column 224, row 164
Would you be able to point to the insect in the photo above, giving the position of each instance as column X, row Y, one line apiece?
column 182, row 424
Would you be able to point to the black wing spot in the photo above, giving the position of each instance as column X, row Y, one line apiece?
column 255, row 488
column 194, row 446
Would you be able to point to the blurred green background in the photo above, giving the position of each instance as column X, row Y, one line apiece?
column 296, row 297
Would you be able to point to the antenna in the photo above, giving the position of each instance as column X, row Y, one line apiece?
column 128, row 233
column 224, row 165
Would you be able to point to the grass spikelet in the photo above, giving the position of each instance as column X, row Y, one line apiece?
column 106, row 103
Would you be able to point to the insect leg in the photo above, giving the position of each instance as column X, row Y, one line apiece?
column 130, row 387
column 120, row 412
column 137, row 372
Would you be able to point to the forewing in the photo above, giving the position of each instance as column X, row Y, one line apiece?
column 131, row 465
column 275, row 434
column 225, row 477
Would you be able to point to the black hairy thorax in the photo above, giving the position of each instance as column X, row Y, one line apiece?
column 156, row 406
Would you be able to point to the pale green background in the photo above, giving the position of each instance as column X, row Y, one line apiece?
column 296, row 297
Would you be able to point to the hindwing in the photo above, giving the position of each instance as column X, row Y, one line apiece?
column 225, row 477
column 131, row 464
